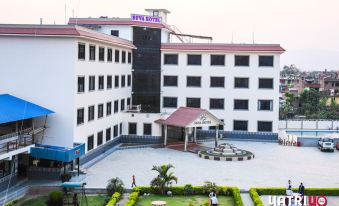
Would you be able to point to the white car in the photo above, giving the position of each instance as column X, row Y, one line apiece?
column 326, row 144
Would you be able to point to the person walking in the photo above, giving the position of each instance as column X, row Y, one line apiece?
column 301, row 190
column 133, row 181
column 214, row 200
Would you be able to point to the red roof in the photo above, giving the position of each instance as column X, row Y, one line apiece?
column 61, row 30
column 223, row 47
column 183, row 117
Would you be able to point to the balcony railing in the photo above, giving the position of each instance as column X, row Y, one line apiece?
column 133, row 108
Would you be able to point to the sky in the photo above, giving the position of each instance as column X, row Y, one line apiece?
column 307, row 29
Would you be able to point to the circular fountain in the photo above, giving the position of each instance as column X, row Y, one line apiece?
column 226, row 152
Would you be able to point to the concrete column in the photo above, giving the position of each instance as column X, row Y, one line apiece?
column 186, row 140
column 165, row 138
column 216, row 135
column 195, row 135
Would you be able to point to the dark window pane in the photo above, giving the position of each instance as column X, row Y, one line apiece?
column 193, row 81
column 115, row 33
column 80, row 116
column 81, row 84
column 266, row 105
column 101, row 54
column 90, row 142
column 101, row 82
column 129, row 80
column 109, row 82
column 170, row 81
column 92, row 52
column 99, row 138
column 117, row 56
column 91, row 113
column 241, row 82
column 109, row 55
column 239, row 125
column 100, row 110
column 241, row 104
column 264, row 126
column 122, row 104
column 108, row 134
column 216, row 103
column 217, row 81
column 266, row 61
column 193, row 102
column 123, row 80
column 240, row 60
column 221, row 126
column 116, row 106
column 193, row 59
column 147, row 129
column 123, row 56
column 132, row 128
column 170, row 102
column 81, row 51
column 108, row 108
column 129, row 57
column 171, row 59
column 116, row 130
column 116, row 81
column 91, row 85
column 120, row 129
column 217, row 60
column 266, row 83
column 128, row 102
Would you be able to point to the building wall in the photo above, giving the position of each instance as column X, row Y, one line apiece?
column 125, row 32
column 228, row 93
column 41, row 70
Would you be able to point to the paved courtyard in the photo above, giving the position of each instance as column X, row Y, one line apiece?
column 273, row 166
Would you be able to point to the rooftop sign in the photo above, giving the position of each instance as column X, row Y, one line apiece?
column 145, row 18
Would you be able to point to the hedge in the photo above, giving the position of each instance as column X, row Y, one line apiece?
column 197, row 190
column 114, row 199
column 255, row 193
column 133, row 197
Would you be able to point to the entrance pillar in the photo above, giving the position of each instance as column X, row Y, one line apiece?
column 195, row 135
column 186, row 139
column 165, row 138
column 216, row 135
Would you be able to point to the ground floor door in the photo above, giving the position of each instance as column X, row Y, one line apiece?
column 174, row 133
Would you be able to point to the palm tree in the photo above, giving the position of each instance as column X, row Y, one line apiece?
column 164, row 178
column 114, row 185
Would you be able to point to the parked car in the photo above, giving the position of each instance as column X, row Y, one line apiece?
column 326, row 144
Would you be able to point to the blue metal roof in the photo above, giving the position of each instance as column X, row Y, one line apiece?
column 13, row 109
column 61, row 154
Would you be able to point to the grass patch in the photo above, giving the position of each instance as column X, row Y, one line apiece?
column 179, row 200
column 97, row 200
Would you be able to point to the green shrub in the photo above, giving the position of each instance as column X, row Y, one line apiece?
column 188, row 189
column 114, row 199
column 9, row 204
column 133, row 197
column 255, row 197
column 55, row 198
column 236, row 196
column 209, row 187
column 114, row 185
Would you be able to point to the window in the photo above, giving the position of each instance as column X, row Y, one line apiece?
column 211, row 128
column 109, row 55
column 264, row 126
column 80, row 116
column 91, row 85
column 216, row 103
column 123, row 80
column 129, row 80
column 99, row 138
column 5, row 168
column 122, row 105
column 132, row 128
column 116, row 81
column 265, row 105
column 92, row 52
column 128, row 102
column 81, row 84
column 193, row 102
column 123, row 56
column 116, row 56
column 115, row 33
column 241, row 82
column 221, row 126
column 170, row 102
column 217, row 82
column 90, row 113
column 266, row 61
column 240, row 125
column 101, row 54
column 242, row 60
column 100, row 110
column 115, row 130
column 265, row 83
column 109, row 82
column 240, row 104
column 101, row 82
column 120, row 129
column 193, row 59
column 147, row 129
column 171, row 59
column 129, row 59
column 193, row 81
column 81, row 51
column 116, row 106
column 171, row 81
column 217, row 60
column 108, row 134
column 90, row 142
column 108, row 108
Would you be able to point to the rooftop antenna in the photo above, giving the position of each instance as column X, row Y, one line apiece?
column 40, row 20
column 253, row 34
column 65, row 12
column 232, row 37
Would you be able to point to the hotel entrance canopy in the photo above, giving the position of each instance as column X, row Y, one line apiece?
column 187, row 117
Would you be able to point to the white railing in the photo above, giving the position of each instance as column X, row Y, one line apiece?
column 134, row 108
column 309, row 124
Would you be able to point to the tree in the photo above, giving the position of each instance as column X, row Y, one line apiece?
column 310, row 102
column 114, row 185
column 164, row 178
column 290, row 71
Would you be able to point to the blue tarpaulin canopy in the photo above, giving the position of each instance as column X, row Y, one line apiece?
column 14, row 109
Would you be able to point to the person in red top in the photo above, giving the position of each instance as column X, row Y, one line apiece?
column 133, row 181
